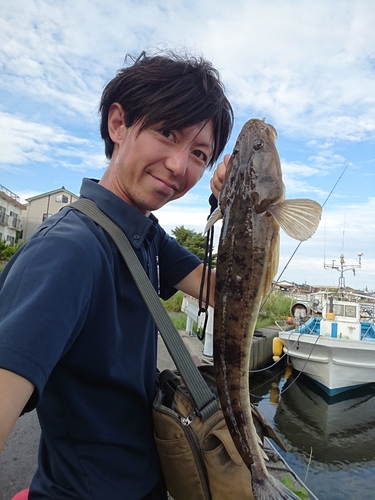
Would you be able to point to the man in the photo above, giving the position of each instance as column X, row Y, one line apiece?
column 76, row 339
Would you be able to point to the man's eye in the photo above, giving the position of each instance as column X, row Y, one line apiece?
column 199, row 154
column 166, row 133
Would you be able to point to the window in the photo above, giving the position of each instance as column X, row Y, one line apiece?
column 339, row 309
column 45, row 216
column 10, row 239
column 16, row 223
column 61, row 198
column 3, row 216
column 13, row 214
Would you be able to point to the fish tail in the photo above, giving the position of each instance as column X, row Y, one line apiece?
column 270, row 488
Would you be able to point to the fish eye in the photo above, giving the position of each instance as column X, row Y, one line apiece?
column 258, row 144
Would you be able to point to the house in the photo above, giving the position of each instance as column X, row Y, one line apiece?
column 42, row 206
column 10, row 216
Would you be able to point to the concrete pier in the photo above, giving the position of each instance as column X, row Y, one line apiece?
column 260, row 356
column 261, row 349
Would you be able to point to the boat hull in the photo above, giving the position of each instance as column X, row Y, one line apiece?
column 337, row 364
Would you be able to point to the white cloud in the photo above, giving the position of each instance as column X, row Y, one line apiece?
column 305, row 66
column 250, row 39
column 23, row 142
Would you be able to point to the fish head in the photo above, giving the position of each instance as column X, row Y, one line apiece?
column 255, row 166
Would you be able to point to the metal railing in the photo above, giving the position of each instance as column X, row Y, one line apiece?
column 9, row 193
column 4, row 218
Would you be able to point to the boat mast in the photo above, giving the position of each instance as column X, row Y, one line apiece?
column 342, row 268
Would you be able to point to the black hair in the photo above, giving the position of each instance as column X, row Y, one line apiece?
column 172, row 90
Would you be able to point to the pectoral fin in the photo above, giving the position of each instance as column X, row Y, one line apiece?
column 298, row 218
column 215, row 216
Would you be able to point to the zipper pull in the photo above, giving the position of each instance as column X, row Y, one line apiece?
column 187, row 420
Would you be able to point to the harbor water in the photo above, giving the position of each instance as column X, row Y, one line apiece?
column 330, row 441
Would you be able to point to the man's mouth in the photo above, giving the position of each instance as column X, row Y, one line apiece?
column 168, row 185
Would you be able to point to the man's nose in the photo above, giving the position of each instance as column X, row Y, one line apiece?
column 177, row 162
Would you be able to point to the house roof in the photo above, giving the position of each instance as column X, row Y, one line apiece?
column 285, row 283
column 9, row 196
column 49, row 193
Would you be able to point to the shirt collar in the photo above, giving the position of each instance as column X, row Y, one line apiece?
column 135, row 225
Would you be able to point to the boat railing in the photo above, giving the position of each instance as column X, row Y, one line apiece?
column 367, row 330
column 312, row 327
column 367, row 310
column 317, row 302
column 278, row 323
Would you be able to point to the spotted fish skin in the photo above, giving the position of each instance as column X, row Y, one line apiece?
column 251, row 205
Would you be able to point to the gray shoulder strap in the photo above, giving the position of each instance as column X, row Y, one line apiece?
column 206, row 403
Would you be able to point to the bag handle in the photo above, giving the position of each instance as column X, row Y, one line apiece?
column 205, row 400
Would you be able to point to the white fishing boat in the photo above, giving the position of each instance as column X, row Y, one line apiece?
column 335, row 348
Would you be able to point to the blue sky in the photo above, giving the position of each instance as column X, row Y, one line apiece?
column 307, row 67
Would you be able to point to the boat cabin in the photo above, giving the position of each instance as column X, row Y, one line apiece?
column 340, row 319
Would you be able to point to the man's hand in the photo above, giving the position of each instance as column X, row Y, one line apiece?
column 218, row 178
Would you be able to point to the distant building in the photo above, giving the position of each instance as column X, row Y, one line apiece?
column 10, row 216
column 40, row 207
column 285, row 286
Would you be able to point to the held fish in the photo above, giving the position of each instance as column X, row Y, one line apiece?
column 253, row 208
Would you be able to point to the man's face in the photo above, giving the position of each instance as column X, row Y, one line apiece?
column 154, row 166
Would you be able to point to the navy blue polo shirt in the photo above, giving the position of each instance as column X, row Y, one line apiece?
column 73, row 323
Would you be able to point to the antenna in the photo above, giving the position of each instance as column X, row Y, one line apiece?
column 343, row 233
column 324, row 239
column 342, row 268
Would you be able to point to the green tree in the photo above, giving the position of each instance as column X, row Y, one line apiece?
column 7, row 251
column 193, row 241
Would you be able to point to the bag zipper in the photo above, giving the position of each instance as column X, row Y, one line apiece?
column 194, row 444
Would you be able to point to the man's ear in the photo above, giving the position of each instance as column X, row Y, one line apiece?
column 116, row 122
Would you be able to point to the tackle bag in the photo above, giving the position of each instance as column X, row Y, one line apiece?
column 199, row 459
